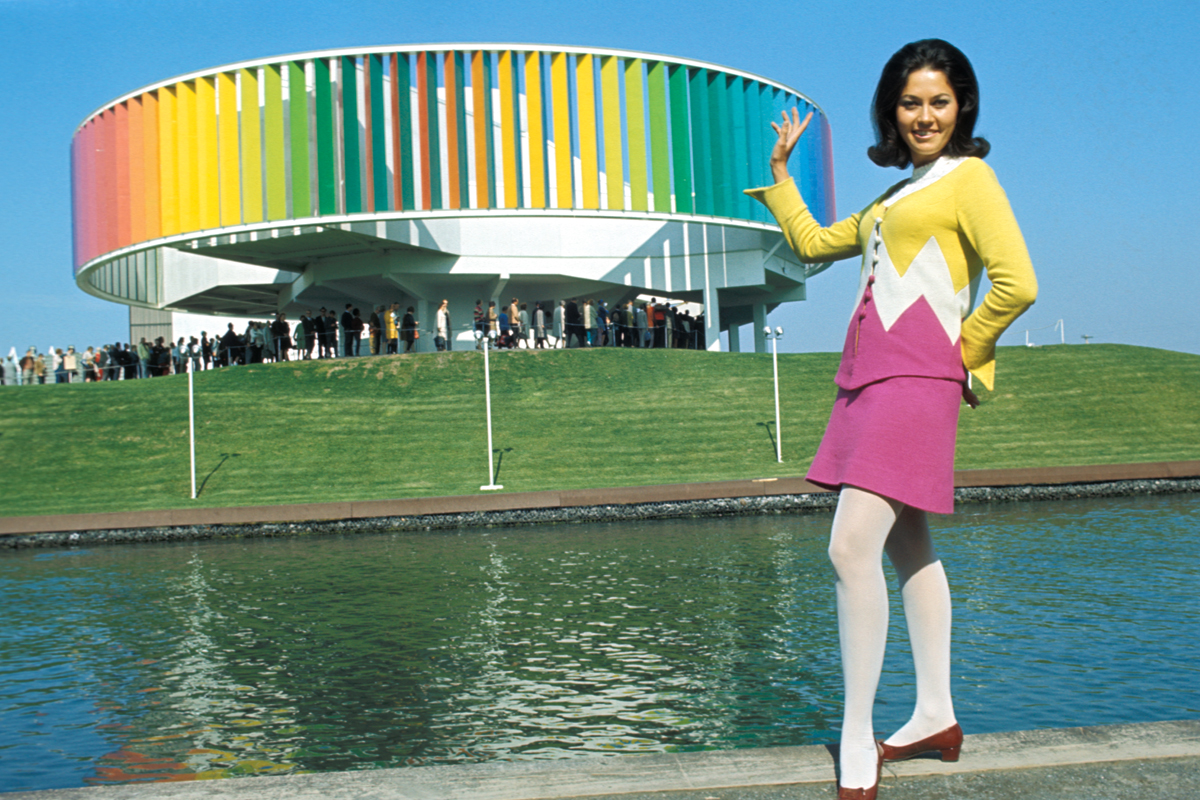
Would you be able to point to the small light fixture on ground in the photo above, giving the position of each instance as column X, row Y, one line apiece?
column 775, row 337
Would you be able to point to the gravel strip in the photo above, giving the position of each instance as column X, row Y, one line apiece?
column 730, row 506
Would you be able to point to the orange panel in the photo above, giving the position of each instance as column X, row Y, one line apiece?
column 452, row 133
column 121, row 160
column 137, row 172
column 150, row 163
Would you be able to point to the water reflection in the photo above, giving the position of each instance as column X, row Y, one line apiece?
column 187, row 661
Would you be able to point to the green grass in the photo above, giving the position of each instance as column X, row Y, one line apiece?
column 412, row 426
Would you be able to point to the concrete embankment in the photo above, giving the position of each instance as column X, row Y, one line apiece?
column 716, row 498
column 1114, row 762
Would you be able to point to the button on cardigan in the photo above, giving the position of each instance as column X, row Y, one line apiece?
column 924, row 245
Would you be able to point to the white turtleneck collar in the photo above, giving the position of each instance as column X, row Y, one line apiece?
column 925, row 175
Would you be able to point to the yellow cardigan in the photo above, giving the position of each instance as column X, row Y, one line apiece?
column 960, row 223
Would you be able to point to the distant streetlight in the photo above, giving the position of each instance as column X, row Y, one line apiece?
column 775, row 337
column 487, row 390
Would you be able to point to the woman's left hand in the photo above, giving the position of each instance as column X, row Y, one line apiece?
column 969, row 397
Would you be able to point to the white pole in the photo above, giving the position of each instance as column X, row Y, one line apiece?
column 487, row 390
column 778, row 432
column 192, row 424
column 1062, row 330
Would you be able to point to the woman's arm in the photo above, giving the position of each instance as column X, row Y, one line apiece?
column 987, row 221
column 803, row 233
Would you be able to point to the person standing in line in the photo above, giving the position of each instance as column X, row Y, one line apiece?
column 331, row 333
column 71, row 363
column 391, row 325
column 493, row 322
column 526, row 334
column 206, row 350
column 347, row 329
column 559, row 323
column 480, row 322
column 513, row 309
column 889, row 446
column 408, row 330
column 281, row 333
column 359, row 327
column 574, row 323
column 539, row 327
column 641, row 334
column 617, row 324
column 143, row 354
column 319, row 333
column 444, row 330
column 374, row 330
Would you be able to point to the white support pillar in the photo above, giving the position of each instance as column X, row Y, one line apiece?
column 760, row 322
column 735, row 339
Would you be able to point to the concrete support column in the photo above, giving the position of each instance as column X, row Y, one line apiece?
column 760, row 322
column 735, row 339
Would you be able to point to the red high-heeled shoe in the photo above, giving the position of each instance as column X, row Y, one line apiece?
column 948, row 742
column 870, row 792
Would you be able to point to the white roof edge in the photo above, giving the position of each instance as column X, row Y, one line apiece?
column 524, row 47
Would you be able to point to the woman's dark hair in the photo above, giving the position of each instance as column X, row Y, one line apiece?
column 889, row 149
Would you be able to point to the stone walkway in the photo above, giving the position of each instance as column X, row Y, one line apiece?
column 1115, row 762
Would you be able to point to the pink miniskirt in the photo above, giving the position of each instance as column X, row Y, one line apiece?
column 894, row 437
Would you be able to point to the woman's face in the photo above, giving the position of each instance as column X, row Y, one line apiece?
column 926, row 114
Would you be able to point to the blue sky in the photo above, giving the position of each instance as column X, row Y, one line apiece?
column 1090, row 109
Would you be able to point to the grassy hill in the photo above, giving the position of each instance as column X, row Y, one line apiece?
column 408, row 426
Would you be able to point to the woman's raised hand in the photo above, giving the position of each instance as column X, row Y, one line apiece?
column 789, row 133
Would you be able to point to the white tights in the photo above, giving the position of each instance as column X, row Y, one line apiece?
column 864, row 525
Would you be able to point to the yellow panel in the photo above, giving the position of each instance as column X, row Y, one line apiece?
column 508, row 129
column 614, row 169
column 227, row 123
column 209, row 173
column 151, row 168
column 168, row 159
column 537, row 137
column 635, row 123
column 252, row 198
column 189, row 167
column 562, row 129
column 585, row 89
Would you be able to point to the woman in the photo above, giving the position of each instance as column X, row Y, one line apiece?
column 889, row 446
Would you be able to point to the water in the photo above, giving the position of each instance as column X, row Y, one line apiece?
column 184, row 661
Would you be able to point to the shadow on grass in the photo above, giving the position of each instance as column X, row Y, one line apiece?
column 224, row 457
column 500, row 462
column 769, row 428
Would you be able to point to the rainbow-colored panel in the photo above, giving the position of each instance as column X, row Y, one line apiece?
column 400, row 131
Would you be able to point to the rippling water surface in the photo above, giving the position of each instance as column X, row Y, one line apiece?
column 184, row 661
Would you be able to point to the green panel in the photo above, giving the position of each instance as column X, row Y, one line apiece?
column 460, row 125
column 635, row 133
column 326, row 171
column 701, row 140
column 660, row 142
column 743, row 152
column 273, row 136
column 350, row 148
column 298, row 130
column 722, row 140
column 435, row 142
column 489, row 84
column 403, row 79
column 766, row 100
column 515, row 66
column 681, row 145
column 379, row 136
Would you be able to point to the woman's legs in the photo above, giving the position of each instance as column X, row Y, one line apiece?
column 861, row 526
column 926, row 598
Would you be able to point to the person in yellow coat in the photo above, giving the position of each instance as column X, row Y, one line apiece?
column 912, row 342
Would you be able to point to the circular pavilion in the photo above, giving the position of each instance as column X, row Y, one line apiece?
column 459, row 171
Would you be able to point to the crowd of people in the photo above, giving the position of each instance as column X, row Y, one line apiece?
column 387, row 329
column 589, row 324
